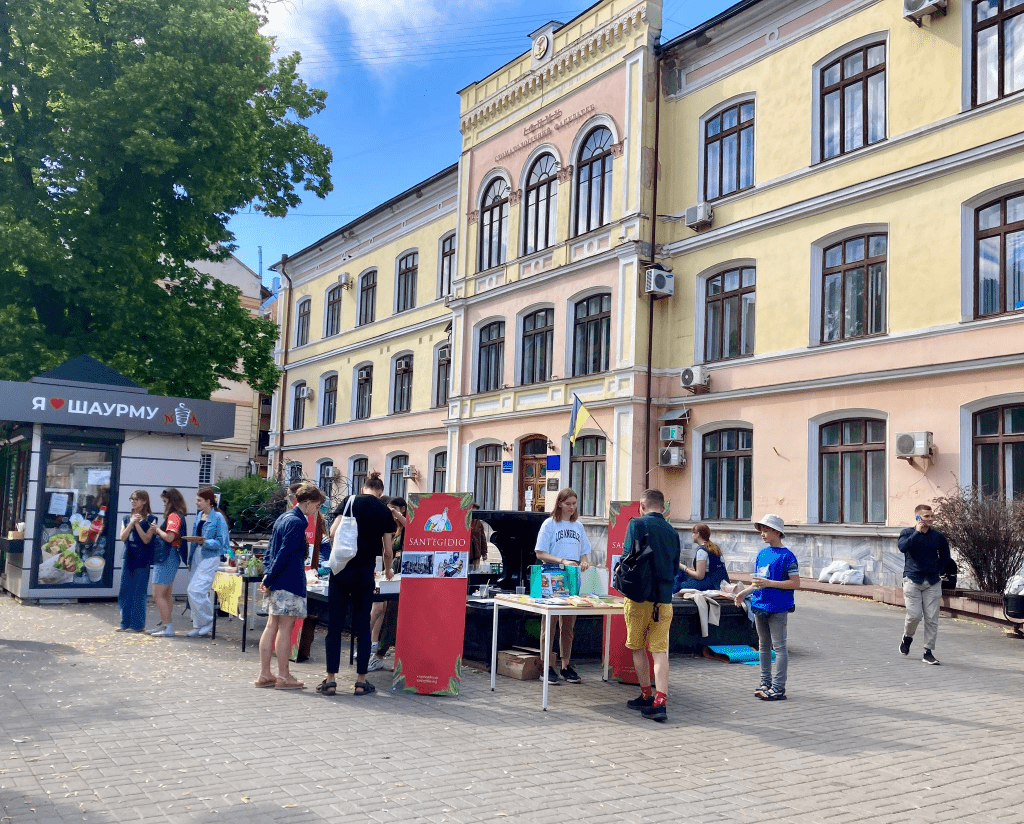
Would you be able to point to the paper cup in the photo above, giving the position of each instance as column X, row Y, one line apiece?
column 94, row 567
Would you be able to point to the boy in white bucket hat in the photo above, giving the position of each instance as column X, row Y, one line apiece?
column 776, row 575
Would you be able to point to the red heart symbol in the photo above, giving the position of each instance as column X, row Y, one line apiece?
column 57, row 403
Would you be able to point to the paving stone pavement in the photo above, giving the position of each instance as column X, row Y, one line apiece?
column 98, row 726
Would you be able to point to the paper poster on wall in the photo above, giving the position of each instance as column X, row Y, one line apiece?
column 432, row 605
column 59, row 503
column 99, row 477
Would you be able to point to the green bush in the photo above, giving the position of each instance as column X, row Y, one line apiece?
column 252, row 503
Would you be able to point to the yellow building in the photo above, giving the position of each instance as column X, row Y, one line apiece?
column 848, row 175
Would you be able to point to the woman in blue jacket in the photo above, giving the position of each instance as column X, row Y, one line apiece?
column 212, row 540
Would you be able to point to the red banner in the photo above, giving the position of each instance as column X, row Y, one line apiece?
column 432, row 604
column 620, row 513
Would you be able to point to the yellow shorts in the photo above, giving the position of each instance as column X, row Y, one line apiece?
column 641, row 631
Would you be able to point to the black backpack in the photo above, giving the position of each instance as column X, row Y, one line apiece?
column 634, row 575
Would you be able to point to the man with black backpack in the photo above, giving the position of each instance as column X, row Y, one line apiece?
column 650, row 558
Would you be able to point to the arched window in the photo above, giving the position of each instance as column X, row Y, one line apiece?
column 999, row 254
column 491, row 359
column 538, row 345
column 997, row 33
column 364, row 391
column 447, row 265
column 403, row 384
column 299, row 395
column 852, row 472
column 330, row 403
column 728, row 456
column 591, row 334
column 332, row 318
column 587, row 473
column 440, row 471
column 494, row 224
column 853, row 288
column 302, row 322
column 408, row 267
column 397, row 483
column 729, row 314
column 488, row 476
column 541, row 213
column 729, row 151
column 594, row 181
column 999, row 451
column 360, row 469
column 852, row 101
column 367, row 298
column 325, row 479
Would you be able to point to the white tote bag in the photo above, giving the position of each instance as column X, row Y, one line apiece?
column 344, row 547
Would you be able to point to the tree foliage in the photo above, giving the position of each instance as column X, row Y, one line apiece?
column 130, row 132
column 986, row 531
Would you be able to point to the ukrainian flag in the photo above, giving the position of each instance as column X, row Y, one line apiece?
column 579, row 419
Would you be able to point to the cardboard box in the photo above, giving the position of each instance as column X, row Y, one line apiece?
column 522, row 666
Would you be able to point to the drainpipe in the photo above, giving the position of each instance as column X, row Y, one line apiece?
column 650, row 298
column 284, row 366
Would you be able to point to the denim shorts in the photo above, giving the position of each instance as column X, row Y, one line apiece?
column 164, row 573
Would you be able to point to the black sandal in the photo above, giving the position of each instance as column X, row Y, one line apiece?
column 364, row 688
column 326, row 687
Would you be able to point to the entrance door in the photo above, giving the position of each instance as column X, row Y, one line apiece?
column 533, row 470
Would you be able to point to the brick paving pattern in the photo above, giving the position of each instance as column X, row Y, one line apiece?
column 99, row 726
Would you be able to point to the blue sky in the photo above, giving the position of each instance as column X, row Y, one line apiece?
column 392, row 70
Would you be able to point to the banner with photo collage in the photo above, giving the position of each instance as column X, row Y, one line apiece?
column 620, row 513
column 432, row 604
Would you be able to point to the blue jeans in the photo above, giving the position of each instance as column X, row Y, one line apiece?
column 131, row 598
column 771, row 634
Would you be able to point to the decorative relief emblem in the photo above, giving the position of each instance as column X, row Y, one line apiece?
column 515, row 196
column 565, row 174
column 540, row 47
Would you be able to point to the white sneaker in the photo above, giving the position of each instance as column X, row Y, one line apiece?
column 375, row 664
column 164, row 631
column 207, row 630
column 196, row 631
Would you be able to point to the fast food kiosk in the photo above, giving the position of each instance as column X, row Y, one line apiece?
column 74, row 442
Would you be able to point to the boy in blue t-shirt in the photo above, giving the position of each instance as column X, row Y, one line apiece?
column 776, row 575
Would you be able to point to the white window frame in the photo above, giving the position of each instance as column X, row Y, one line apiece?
column 814, row 461
column 207, row 458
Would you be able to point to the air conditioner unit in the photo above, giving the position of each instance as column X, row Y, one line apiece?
column 917, row 10
column 671, row 456
column 345, row 280
column 403, row 364
column 699, row 216
column 694, row 376
column 304, row 393
column 409, row 471
column 660, row 282
column 365, row 374
column 444, row 353
column 913, row 444
column 673, row 433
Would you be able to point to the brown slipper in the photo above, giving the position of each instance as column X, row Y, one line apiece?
column 289, row 684
column 265, row 682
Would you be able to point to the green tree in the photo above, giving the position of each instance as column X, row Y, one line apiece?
column 130, row 132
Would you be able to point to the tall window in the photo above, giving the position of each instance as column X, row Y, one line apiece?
column 403, row 384
column 330, row 399
column 444, row 375
column 852, row 475
column 299, row 406
column 728, row 472
column 853, row 288
column 729, row 151
column 326, row 478
column 360, row 469
column 729, row 314
column 367, row 298
column 294, row 472
column 594, row 182
column 364, row 392
column 440, row 471
column 538, row 345
column 408, row 266
column 302, row 323
column 999, row 451
column 332, row 321
column 491, row 362
column 447, row 264
column 205, row 469
column 853, row 101
column 587, row 470
column 591, row 335
column 541, row 218
column 999, row 254
column 997, row 33
column 397, row 482
column 488, row 476
column 494, row 224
